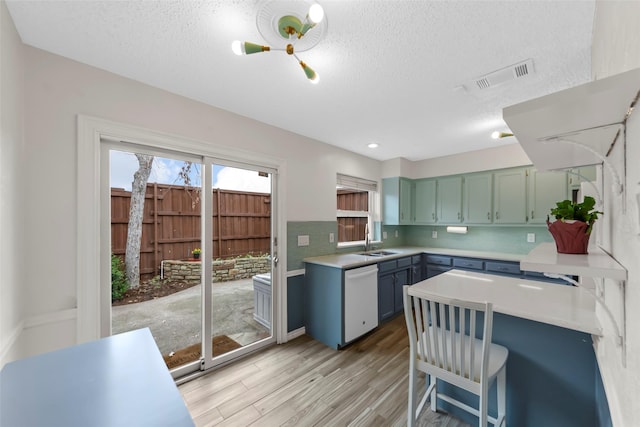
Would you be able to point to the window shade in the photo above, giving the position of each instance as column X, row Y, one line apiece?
column 357, row 183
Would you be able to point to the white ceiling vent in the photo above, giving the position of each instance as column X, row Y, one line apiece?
column 512, row 72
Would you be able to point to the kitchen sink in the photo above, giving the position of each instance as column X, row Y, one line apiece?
column 378, row 253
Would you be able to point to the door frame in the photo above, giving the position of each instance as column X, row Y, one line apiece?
column 93, row 244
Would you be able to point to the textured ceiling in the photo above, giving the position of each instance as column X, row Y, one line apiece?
column 399, row 73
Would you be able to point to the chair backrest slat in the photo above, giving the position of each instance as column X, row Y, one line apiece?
column 472, row 353
column 461, row 343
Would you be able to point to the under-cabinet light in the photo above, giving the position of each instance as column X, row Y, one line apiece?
column 456, row 229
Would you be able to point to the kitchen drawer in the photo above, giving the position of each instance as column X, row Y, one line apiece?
column 474, row 264
column 387, row 265
column 438, row 259
column 434, row 270
column 503, row 267
column 416, row 259
column 404, row 262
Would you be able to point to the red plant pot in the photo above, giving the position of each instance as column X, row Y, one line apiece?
column 570, row 237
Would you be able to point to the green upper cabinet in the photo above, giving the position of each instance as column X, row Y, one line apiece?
column 449, row 200
column 478, row 191
column 545, row 189
column 425, row 201
column 579, row 175
column 396, row 200
column 509, row 196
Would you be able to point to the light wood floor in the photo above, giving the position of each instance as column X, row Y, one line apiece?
column 305, row 383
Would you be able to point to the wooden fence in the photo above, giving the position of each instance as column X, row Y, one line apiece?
column 352, row 228
column 171, row 224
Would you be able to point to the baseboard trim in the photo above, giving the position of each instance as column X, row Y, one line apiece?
column 10, row 342
column 52, row 317
column 296, row 333
column 294, row 273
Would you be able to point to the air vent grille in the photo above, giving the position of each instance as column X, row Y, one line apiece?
column 512, row 72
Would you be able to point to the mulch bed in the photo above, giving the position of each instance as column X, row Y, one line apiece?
column 151, row 289
column 221, row 344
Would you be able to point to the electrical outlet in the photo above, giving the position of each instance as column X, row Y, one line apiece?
column 396, row 233
column 303, row 240
column 384, row 235
column 434, row 234
column 331, row 237
column 531, row 237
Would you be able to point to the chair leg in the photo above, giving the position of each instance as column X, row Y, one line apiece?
column 434, row 393
column 502, row 397
column 483, row 405
column 411, row 410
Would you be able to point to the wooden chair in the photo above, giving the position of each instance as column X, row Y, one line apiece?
column 458, row 358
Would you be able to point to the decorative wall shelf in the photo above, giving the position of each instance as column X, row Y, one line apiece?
column 544, row 258
column 587, row 116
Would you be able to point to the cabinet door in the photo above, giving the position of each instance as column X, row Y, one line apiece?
column 509, row 194
column 401, row 279
column 545, row 189
column 385, row 296
column 579, row 175
column 406, row 190
column 396, row 200
column 477, row 204
column 450, row 200
column 425, row 201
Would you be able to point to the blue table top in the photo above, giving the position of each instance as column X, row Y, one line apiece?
column 116, row 381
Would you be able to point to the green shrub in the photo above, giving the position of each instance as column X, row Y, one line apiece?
column 119, row 282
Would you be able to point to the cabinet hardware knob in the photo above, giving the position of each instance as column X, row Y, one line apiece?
column 531, row 214
column 488, row 215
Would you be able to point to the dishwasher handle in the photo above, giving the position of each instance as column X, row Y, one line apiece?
column 361, row 272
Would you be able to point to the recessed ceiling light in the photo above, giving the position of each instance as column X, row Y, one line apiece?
column 372, row 145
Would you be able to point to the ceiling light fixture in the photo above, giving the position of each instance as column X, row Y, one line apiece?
column 287, row 23
column 498, row 135
column 372, row 145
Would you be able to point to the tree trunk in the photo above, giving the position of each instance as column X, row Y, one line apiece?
column 134, row 232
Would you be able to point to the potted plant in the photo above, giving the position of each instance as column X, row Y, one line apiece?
column 196, row 253
column 573, row 225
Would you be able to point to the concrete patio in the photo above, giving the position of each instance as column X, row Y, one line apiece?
column 175, row 320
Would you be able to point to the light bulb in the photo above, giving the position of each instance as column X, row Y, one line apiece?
column 316, row 13
column 495, row 135
column 236, row 47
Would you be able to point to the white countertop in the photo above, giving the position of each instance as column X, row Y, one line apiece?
column 545, row 258
column 560, row 305
column 351, row 260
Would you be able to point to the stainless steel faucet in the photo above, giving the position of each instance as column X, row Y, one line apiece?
column 366, row 237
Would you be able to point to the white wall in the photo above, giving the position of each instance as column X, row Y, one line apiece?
column 12, row 175
column 510, row 155
column 616, row 48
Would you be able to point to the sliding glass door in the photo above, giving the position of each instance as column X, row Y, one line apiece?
column 200, row 231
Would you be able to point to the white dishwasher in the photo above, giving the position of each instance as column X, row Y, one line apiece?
column 360, row 301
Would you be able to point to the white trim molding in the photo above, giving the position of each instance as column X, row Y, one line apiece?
column 93, row 239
